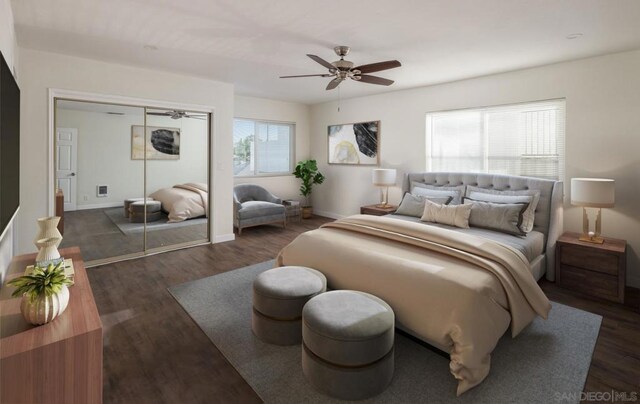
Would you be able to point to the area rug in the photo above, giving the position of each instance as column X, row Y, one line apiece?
column 117, row 217
column 547, row 363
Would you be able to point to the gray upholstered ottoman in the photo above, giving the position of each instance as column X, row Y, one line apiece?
column 137, row 211
column 279, row 295
column 347, row 347
column 129, row 201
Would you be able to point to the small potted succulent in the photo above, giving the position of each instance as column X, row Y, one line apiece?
column 307, row 171
column 44, row 293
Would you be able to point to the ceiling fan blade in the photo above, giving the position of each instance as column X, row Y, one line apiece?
column 322, row 61
column 375, row 80
column 376, row 67
column 334, row 83
column 307, row 75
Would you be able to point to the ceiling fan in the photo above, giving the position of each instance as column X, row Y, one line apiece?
column 177, row 114
column 342, row 69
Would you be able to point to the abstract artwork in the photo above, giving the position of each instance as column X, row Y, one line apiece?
column 162, row 143
column 355, row 143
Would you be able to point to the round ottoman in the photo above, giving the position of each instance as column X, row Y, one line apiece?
column 347, row 344
column 279, row 295
column 129, row 201
column 137, row 211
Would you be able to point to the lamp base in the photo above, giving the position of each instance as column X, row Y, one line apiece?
column 383, row 205
column 594, row 239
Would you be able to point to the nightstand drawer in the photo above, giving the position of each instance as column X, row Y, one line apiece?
column 588, row 258
column 590, row 282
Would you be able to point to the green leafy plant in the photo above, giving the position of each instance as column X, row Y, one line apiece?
column 307, row 171
column 41, row 282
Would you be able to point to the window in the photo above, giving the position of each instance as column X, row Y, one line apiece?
column 262, row 147
column 521, row 139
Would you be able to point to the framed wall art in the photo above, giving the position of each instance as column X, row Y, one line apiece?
column 162, row 143
column 354, row 143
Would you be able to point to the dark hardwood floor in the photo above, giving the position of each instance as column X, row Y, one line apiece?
column 155, row 353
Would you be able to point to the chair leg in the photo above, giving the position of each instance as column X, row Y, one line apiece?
column 239, row 231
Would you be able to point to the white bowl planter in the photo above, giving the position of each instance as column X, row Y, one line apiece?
column 44, row 308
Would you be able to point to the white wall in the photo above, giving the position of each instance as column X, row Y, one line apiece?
column 40, row 71
column 104, row 156
column 285, row 187
column 8, row 47
column 602, row 139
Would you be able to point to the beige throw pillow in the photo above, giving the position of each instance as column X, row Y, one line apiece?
column 452, row 215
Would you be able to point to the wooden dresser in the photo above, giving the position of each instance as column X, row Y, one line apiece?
column 59, row 362
column 597, row 270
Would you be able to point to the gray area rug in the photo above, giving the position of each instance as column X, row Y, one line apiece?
column 117, row 217
column 547, row 363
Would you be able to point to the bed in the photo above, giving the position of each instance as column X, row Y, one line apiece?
column 184, row 201
column 460, row 290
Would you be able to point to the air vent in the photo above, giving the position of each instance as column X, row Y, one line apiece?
column 102, row 191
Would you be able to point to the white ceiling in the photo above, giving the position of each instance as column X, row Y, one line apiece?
column 252, row 42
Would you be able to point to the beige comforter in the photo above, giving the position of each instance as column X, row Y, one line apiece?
column 184, row 201
column 455, row 291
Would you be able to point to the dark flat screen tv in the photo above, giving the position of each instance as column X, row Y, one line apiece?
column 9, row 145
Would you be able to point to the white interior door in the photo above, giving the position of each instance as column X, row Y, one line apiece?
column 67, row 164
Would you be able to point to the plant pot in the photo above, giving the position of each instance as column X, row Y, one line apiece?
column 48, row 228
column 44, row 308
column 48, row 249
column 307, row 212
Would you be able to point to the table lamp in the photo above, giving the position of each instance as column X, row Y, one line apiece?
column 592, row 193
column 384, row 177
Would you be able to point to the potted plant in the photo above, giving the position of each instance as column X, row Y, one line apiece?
column 44, row 293
column 307, row 171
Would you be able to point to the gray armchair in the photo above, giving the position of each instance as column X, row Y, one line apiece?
column 254, row 206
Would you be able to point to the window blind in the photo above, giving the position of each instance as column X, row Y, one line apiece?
column 521, row 139
column 262, row 147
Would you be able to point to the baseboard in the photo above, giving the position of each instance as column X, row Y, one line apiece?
column 330, row 215
column 100, row 206
column 224, row 238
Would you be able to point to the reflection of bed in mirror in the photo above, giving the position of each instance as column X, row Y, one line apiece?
column 184, row 201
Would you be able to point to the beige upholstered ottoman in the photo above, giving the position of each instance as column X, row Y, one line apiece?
column 279, row 295
column 137, row 211
column 347, row 344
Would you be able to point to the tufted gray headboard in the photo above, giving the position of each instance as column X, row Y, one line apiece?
column 548, row 219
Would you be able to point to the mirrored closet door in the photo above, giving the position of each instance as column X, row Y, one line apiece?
column 130, row 180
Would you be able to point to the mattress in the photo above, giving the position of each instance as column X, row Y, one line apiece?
column 532, row 246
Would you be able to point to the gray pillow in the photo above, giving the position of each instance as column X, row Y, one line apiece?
column 530, row 196
column 457, row 192
column 502, row 217
column 413, row 205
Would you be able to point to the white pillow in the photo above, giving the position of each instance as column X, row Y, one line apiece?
column 453, row 215
column 418, row 188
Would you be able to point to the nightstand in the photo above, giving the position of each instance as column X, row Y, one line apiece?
column 377, row 211
column 597, row 270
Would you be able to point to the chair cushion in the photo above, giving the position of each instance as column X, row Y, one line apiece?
column 348, row 328
column 252, row 209
column 281, row 293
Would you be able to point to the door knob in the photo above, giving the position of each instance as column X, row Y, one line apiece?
column 72, row 174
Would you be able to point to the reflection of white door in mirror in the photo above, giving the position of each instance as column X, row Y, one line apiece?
column 67, row 164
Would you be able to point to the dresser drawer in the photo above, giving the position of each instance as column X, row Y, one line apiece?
column 590, row 282
column 588, row 258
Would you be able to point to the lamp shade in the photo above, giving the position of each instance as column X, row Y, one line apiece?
column 593, row 192
column 384, row 177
